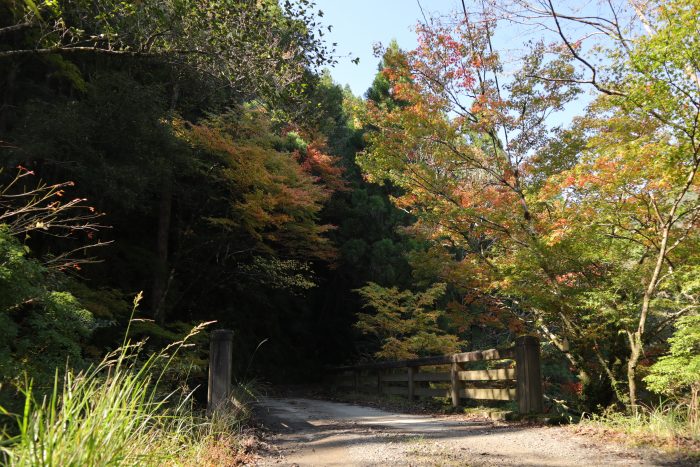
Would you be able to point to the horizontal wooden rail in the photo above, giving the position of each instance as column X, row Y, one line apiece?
column 473, row 375
column 491, row 354
column 457, row 382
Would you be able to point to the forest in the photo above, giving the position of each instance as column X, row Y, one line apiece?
column 173, row 167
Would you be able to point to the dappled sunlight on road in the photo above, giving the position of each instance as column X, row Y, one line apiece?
column 316, row 432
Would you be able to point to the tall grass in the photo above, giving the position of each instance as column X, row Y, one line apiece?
column 116, row 413
column 666, row 423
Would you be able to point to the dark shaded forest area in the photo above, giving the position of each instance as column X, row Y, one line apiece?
column 219, row 192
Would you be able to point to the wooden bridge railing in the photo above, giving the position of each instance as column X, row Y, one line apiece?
column 522, row 383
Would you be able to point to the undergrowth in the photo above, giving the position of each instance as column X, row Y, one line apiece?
column 666, row 425
column 118, row 413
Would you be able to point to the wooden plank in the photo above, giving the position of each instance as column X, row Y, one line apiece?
column 411, row 385
column 396, row 390
column 368, row 388
column 395, row 377
column 490, row 354
column 433, row 392
column 501, row 374
column 439, row 360
column 367, row 380
column 493, row 394
column 362, row 380
column 432, row 377
column 507, row 394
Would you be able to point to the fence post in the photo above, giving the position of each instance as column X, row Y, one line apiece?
column 529, row 374
column 411, row 383
column 455, row 385
column 220, row 359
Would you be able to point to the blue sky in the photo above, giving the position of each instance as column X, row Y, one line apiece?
column 358, row 24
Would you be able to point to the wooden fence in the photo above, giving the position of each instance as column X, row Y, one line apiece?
column 448, row 376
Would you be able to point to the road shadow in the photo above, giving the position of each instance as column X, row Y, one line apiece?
column 302, row 425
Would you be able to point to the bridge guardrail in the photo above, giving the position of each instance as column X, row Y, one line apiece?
column 454, row 380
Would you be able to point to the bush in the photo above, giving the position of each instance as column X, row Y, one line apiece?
column 678, row 374
column 43, row 325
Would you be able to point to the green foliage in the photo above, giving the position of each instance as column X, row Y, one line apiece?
column 84, row 140
column 677, row 374
column 256, row 47
column 380, row 90
column 407, row 324
column 44, row 326
column 679, row 371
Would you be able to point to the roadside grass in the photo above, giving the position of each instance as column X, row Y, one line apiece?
column 667, row 426
column 118, row 413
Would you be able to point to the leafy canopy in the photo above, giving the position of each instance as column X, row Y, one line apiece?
column 407, row 324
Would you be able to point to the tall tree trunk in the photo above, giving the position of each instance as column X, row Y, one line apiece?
column 160, row 280
column 636, row 346
column 695, row 405
column 619, row 395
column 7, row 97
column 162, row 277
column 636, row 338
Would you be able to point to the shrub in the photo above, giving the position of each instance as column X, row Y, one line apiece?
column 43, row 325
column 678, row 374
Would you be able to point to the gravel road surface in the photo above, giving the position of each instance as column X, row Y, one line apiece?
column 314, row 432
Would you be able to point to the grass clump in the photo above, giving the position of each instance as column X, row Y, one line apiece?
column 117, row 413
column 667, row 425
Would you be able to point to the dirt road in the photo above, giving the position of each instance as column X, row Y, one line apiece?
column 313, row 432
